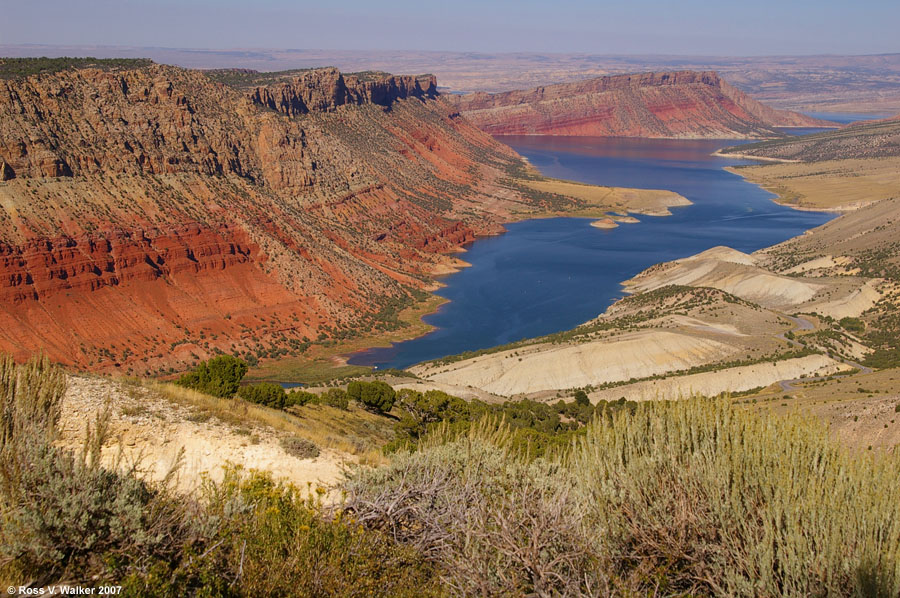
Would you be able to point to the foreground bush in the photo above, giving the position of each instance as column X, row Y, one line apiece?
column 60, row 512
column 65, row 518
column 377, row 396
column 729, row 502
column 264, row 393
column 495, row 525
column 673, row 499
column 220, row 376
column 273, row 540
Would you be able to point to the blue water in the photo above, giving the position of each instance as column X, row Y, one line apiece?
column 544, row 276
column 799, row 131
column 837, row 117
column 846, row 117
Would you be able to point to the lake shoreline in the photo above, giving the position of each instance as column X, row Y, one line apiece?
column 428, row 325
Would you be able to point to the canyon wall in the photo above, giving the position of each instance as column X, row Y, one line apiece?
column 150, row 217
column 682, row 104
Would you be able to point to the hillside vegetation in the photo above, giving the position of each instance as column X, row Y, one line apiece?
column 668, row 498
column 13, row 68
column 863, row 140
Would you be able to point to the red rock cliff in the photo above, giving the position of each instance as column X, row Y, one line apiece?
column 154, row 216
column 682, row 104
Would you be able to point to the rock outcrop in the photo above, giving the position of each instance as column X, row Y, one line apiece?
column 153, row 216
column 324, row 90
column 682, row 104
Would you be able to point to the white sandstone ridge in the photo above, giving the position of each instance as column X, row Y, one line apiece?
column 728, row 270
column 744, row 276
column 157, row 433
column 852, row 305
column 549, row 367
column 710, row 384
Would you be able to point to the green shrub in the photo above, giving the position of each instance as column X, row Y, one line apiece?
column 299, row 398
column 264, row 393
column 299, row 447
column 852, row 324
column 220, row 376
column 536, row 428
column 581, row 398
column 334, row 397
column 377, row 396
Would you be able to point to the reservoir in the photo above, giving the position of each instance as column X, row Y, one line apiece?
column 549, row 275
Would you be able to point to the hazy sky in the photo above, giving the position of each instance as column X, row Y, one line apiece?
column 724, row 27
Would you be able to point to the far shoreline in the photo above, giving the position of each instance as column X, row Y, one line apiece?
column 340, row 359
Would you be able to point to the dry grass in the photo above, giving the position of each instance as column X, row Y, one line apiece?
column 355, row 431
column 685, row 498
column 830, row 185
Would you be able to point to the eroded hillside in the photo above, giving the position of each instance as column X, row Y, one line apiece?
column 878, row 139
column 156, row 215
column 682, row 104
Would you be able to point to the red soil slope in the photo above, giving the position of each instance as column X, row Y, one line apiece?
column 154, row 216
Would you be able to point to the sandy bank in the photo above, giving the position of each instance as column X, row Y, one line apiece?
column 550, row 367
column 828, row 186
column 728, row 380
column 751, row 157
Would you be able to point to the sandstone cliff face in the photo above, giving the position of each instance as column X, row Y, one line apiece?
column 324, row 90
column 154, row 216
column 683, row 104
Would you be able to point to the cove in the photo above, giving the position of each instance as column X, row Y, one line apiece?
column 548, row 275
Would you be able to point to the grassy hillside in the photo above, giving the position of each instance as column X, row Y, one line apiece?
column 836, row 185
column 688, row 498
column 866, row 140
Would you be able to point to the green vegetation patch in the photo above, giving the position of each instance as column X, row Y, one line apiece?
column 220, row 376
column 16, row 68
column 244, row 78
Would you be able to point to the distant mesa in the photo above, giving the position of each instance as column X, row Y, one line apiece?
column 674, row 105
